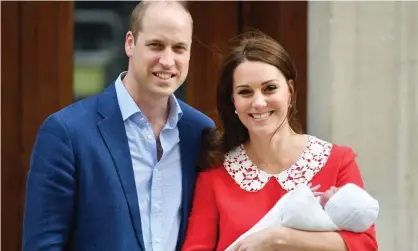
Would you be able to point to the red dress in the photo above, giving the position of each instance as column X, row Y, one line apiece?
column 230, row 199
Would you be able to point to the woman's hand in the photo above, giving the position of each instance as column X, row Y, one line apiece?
column 268, row 239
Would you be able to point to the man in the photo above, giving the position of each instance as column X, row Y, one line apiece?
column 116, row 171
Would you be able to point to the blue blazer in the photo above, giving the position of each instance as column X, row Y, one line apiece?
column 81, row 192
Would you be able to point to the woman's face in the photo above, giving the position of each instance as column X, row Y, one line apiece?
column 261, row 96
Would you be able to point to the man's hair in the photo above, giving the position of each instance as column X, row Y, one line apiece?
column 140, row 10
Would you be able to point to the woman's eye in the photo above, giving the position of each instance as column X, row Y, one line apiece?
column 243, row 92
column 271, row 88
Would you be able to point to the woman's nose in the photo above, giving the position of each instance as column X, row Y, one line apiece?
column 259, row 101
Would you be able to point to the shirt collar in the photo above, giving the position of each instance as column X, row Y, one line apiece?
column 128, row 106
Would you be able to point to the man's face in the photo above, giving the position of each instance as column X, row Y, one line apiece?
column 159, row 60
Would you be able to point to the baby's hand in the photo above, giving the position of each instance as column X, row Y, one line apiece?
column 327, row 195
column 313, row 189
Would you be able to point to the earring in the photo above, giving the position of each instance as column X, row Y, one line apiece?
column 236, row 112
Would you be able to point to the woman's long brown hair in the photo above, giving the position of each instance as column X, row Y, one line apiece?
column 251, row 46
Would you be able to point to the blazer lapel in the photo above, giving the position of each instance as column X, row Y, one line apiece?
column 113, row 132
column 188, row 151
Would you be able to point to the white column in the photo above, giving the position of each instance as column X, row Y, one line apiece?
column 363, row 77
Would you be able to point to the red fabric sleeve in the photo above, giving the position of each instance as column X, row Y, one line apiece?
column 350, row 173
column 202, row 230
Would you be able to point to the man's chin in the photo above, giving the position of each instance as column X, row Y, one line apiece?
column 163, row 91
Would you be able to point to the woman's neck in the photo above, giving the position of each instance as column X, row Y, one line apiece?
column 274, row 154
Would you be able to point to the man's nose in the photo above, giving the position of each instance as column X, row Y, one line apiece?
column 167, row 59
column 259, row 101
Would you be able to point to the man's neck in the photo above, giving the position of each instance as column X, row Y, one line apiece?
column 156, row 109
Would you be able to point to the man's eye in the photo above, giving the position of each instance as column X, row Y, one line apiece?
column 180, row 48
column 155, row 46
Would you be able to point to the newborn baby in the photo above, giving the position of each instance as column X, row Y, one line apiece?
column 348, row 208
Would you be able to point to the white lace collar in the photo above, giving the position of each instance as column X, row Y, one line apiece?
column 252, row 179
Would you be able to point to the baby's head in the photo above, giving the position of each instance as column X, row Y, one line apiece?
column 327, row 195
column 350, row 207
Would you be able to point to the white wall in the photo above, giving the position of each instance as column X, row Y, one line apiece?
column 362, row 92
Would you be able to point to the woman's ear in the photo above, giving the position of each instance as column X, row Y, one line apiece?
column 291, row 85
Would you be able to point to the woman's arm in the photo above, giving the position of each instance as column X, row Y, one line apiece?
column 202, row 228
column 350, row 173
column 286, row 239
column 295, row 240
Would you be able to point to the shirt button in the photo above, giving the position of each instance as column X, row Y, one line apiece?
column 157, row 240
column 149, row 137
column 156, row 206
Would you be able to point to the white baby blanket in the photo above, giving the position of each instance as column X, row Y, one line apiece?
column 351, row 209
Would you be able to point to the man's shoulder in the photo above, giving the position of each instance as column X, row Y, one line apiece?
column 77, row 114
column 78, row 109
column 194, row 116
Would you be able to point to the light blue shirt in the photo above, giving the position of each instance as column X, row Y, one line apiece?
column 158, row 183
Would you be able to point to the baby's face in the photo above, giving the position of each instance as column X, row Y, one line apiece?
column 327, row 195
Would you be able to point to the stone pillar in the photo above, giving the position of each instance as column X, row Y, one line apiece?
column 362, row 92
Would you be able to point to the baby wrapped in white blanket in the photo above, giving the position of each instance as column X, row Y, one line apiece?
column 349, row 208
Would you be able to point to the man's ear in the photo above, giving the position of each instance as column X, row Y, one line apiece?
column 129, row 43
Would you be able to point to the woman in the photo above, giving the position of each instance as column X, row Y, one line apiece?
column 260, row 155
